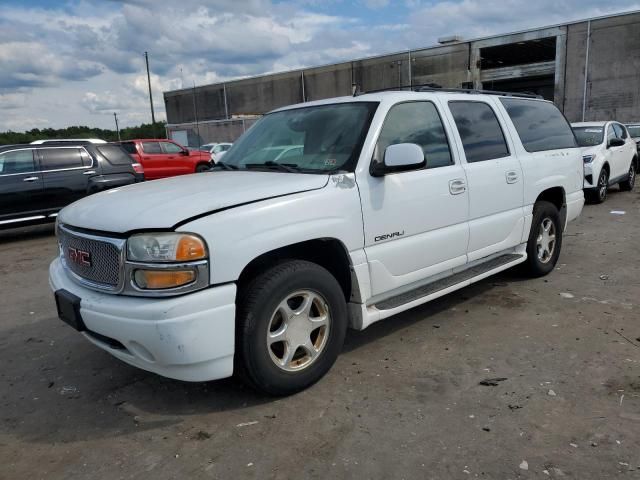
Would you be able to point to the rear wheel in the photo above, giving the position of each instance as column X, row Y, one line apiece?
column 292, row 320
column 545, row 239
column 630, row 182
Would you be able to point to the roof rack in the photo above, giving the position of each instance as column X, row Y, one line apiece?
column 432, row 87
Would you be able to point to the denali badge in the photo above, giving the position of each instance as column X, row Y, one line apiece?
column 388, row 236
column 79, row 257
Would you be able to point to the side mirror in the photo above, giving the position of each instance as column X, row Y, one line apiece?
column 399, row 157
column 615, row 142
column 185, row 152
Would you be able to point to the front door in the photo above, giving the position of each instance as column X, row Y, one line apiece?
column 177, row 158
column 494, row 176
column 415, row 222
column 154, row 160
column 20, row 186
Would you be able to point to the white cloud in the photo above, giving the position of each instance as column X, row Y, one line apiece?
column 78, row 62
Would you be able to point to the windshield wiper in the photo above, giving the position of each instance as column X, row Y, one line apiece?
column 224, row 166
column 283, row 167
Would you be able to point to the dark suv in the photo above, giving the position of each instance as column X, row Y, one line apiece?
column 36, row 181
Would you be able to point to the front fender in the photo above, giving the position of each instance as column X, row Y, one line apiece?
column 238, row 235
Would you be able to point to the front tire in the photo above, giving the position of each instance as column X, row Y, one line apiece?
column 599, row 194
column 202, row 168
column 630, row 182
column 545, row 239
column 291, row 324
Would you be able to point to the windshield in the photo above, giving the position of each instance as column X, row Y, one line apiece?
column 318, row 139
column 589, row 136
column 634, row 130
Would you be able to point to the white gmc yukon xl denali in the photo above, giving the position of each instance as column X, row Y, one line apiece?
column 375, row 204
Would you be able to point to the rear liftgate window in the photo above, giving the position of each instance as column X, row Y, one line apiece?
column 539, row 124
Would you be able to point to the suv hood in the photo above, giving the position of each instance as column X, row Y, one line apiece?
column 164, row 203
column 591, row 150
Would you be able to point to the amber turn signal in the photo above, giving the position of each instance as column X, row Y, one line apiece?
column 162, row 279
column 190, row 248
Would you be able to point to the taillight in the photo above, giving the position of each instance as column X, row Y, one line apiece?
column 137, row 167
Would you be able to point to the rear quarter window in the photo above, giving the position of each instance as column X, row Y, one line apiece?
column 115, row 155
column 539, row 124
column 129, row 147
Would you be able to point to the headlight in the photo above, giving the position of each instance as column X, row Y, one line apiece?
column 165, row 247
column 166, row 263
column 588, row 158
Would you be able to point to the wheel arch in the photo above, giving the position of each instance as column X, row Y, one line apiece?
column 327, row 252
column 556, row 196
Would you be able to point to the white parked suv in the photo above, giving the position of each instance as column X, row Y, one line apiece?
column 610, row 157
column 394, row 199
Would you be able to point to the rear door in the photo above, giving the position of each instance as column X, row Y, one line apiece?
column 65, row 172
column 494, row 177
column 21, row 191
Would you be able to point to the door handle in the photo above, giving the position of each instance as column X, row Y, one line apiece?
column 457, row 186
column 512, row 176
column 31, row 179
column 89, row 172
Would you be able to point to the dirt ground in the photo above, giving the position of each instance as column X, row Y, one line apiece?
column 404, row 400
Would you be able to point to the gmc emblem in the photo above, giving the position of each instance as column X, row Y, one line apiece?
column 79, row 257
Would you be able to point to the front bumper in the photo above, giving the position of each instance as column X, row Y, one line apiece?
column 189, row 338
column 589, row 180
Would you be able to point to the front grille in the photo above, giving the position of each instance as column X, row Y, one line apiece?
column 92, row 258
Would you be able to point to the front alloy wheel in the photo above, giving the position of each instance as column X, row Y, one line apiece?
column 298, row 330
column 546, row 241
column 603, row 186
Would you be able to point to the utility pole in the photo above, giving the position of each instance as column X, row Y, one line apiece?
column 115, row 116
column 195, row 113
column 153, row 115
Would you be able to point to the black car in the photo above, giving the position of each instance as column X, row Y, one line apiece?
column 36, row 181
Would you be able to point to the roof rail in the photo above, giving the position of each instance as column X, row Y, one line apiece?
column 431, row 87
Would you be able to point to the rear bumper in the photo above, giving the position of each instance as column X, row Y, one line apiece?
column 189, row 338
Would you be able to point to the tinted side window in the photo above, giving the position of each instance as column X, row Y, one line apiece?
column 539, row 124
column 479, row 130
column 419, row 123
column 620, row 132
column 151, row 147
column 17, row 161
column 56, row 158
column 130, row 147
column 169, row 147
column 115, row 155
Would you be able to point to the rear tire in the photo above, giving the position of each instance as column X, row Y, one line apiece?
column 630, row 182
column 291, row 325
column 545, row 240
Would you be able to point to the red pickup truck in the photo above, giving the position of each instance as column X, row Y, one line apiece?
column 166, row 158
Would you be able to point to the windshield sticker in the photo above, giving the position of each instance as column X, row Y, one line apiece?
column 330, row 162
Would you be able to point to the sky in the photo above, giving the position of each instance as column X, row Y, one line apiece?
column 77, row 62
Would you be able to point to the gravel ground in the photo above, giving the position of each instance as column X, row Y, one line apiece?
column 404, row 400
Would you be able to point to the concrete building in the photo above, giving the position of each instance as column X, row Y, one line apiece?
column 590, row 69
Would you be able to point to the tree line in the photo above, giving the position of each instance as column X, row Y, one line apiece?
column 146, row 130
